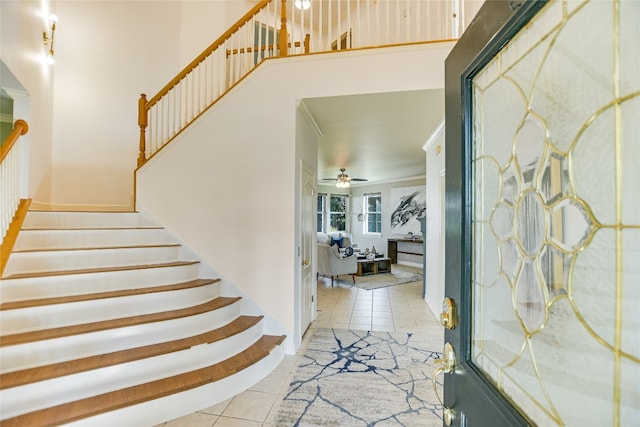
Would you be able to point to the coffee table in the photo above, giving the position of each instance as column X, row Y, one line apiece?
column 373, row 266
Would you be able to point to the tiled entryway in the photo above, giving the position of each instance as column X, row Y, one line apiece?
column 394, row 309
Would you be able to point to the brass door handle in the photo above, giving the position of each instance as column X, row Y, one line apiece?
column 447, row 366
column 306, row 262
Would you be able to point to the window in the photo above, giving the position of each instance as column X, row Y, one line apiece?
column 338, row 212
column 373, row 213
column 322, row 203
column 332, row 216
column 265, row 41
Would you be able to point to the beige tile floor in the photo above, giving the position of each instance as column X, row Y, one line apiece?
column 395, row 309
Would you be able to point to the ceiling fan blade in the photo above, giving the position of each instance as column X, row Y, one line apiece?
column 343, row 177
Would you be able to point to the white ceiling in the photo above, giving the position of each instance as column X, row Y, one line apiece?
column 375, row 136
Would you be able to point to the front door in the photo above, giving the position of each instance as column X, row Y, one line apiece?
column 543, row 216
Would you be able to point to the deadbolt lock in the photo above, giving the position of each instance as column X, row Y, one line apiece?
column 449, row 315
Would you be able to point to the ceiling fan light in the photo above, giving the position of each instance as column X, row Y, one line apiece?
column 343, row 180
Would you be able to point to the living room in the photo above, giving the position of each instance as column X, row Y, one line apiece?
column 386, row 143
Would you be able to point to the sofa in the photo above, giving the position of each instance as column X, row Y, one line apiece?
column 344, row 240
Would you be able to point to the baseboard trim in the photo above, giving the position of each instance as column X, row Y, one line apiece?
column 410, row 264
column 39, row 206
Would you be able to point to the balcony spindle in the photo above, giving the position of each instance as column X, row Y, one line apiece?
column 267, row 31
column 284, row 36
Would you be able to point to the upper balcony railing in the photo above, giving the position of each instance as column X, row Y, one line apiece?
column 275, row 28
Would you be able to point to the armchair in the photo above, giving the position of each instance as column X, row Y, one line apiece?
column 331, row 263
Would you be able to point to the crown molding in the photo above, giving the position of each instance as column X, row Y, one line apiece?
column 307, row 114
column 434, row 136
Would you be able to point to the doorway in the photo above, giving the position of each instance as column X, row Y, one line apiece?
column 308, row 299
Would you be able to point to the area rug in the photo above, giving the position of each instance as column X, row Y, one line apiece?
column 361, row 378
column 399, row 275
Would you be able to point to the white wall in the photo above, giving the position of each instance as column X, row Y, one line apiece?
column 368, row 241
column 435, row 240
column 202, row 22
column 22, row 51
column 107, row 54
column 226, row 186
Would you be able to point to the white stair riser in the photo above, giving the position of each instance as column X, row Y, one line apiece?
column 80, row 284
column 19, row 400
column 176, row 405
column 38, row 262
column 70, row 239
column 44, row 220
column 61, row 241
column 29, row 355
column 59, row 315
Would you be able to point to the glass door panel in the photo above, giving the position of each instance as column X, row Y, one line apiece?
column 555, row 225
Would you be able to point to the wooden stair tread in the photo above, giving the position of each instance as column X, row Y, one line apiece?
column 41, row 373
column 84, row 328
column 101, row 295
column 96, row 248
column 129, row 396
column 99, row 270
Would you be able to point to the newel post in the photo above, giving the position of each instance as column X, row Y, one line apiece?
column 142, row 122
column 307, row 43
column 284, row 37
column 24, row 127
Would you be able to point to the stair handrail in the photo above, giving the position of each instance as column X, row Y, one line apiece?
column 328, row 25
column 12, row 207
column 145, row 105
column 20, row 127
column 213, row 46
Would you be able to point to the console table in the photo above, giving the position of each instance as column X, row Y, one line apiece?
column 412, row 247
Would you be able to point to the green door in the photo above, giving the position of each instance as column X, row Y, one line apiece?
column 543, row 216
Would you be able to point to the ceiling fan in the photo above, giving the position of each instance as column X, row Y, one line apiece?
column 343, row 180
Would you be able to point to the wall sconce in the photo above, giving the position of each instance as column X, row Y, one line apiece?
column 48, row 39
column 302, row 4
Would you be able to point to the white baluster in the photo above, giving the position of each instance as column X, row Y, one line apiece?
column 339, row 27
column 310, row 29
column 349, row 26
column 357, row 36
column 194, row 98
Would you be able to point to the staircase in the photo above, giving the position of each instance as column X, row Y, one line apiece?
column 102, row 322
